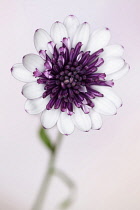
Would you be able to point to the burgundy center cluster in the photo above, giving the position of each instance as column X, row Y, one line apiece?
column 69, row 77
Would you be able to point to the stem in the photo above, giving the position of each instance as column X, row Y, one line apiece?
column 68, row 200
column 38, row 205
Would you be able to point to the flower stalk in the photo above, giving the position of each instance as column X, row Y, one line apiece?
column 39, row 202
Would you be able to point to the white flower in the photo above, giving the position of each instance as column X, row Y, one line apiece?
column 70, row 81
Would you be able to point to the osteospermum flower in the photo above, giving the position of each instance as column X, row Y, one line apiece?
column 70, row 81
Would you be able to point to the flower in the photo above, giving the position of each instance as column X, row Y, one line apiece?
column 70, row 81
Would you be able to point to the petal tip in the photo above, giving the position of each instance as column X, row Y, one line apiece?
column 36, row 30
column 99, row 128
column 11, row 69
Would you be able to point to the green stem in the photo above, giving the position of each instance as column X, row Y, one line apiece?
column 38, row 205
column 68, row 200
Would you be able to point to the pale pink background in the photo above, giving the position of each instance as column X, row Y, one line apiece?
column 105, row 164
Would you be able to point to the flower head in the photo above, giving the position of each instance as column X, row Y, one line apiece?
column 70, row 80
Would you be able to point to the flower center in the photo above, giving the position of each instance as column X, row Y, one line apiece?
column 70, row 76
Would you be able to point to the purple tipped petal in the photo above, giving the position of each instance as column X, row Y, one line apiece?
column 99, row 62
column 42, row 53
column 37, row 73
column 66, row 42
column 48, row 65
column 86, row 109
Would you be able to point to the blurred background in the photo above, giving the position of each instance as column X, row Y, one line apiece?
column 105, row 164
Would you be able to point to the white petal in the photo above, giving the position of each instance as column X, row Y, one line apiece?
column 96, row 120
column 111, row 65
column 81, row 120
column 32, row 61
column 21, row 73
column 33, row 90
column 117, row 75
column 104, row 106
column 71, row 23
column 36, row 106
column 109, row 94
column 65, row 124
column 112, row 50
column 41, row 39
column 98, row 39
column 58, row 32
column 82, row 35
column 50, row 117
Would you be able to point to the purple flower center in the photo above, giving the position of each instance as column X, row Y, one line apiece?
column 69, row 77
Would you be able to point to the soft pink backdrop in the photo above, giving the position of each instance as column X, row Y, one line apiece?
column 105, row 164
